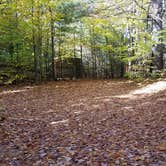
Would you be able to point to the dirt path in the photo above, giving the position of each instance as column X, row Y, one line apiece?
column 83, row 123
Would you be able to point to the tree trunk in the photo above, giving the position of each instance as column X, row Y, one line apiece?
column 52, row 46
column 34, row 46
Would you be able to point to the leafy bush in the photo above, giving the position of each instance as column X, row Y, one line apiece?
column 8, row 77
column 133, row 75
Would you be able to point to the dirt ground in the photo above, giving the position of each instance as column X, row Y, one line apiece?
column 83, row 123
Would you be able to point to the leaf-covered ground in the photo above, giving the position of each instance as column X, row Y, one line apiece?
column 83, row 123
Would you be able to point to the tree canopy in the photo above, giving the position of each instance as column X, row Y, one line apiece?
column 112, row 38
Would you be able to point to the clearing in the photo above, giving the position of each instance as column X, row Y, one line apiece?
column 91, row 123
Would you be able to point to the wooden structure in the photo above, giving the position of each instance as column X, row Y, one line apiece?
column 68, row 68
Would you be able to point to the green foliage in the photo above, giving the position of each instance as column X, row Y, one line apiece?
column 33, row 32
column 162, row 35
column 134, row 76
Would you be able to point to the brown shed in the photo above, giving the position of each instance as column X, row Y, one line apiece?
column 68, row 68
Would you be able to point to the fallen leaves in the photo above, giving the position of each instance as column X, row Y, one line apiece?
column 162, row 147
column 83, row 123
column 2, row 116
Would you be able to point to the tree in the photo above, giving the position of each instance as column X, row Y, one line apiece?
column 110, row 37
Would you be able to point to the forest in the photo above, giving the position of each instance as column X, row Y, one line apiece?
column 44, row 40
column 82, row 82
